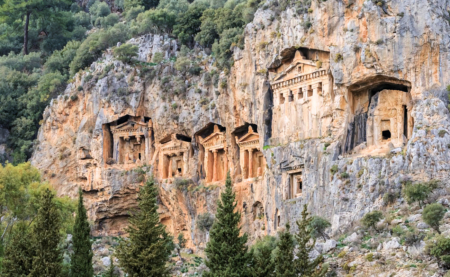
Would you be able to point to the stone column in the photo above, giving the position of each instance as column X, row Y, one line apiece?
column 169, row 169
column 250, row 163
column 226, row 163
column 150, row 143
column 214, row 178
column 185, row 163
column 116, row 141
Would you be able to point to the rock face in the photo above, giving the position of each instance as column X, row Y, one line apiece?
column 308, row 114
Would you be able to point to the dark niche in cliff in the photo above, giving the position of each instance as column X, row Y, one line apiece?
column 379, row 105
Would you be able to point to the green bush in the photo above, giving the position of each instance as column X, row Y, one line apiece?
column 133, row 12
column 158, row 57
column 389, row 198
column 109, row 20
column 441, row 250
column 370, row 219
column 417, row 192
column 205, row 221
column 126, row 52
column 344, row 175
column 433, row 214
column 99, row 9
column 334, row 169
column 318, row 226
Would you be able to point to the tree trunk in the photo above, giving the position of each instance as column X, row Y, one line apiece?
column 25, row 37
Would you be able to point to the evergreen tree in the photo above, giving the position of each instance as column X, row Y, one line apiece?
column 46, row 230
column 81, row 260
column 19, row 253
column 284, row 265
column 23, row 10
column 226, row 251
column 303, row 265
column 263, row 265
column 148, row 247
column 111, row 269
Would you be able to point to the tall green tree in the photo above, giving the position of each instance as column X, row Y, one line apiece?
column 284, row 266
column 263, row 265
column 81, row 260
column 148, row 247
column 14, row 10
column 303, row 265
column 226, row 251
column 46, row 230
column 19, row 252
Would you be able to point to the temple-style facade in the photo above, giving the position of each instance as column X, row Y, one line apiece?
column 251, row 158
column 173, row 156
column 302, row 96
column 216, row 160
column 128, row 140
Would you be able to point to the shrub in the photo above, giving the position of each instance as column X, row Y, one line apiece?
column 109, row 20
column 344, row 175
column 319, row 64
column 80, row 88
column 205, row 221
column 126, row 52
column 441, row 250
column 412, row 238
column 389, row 198
column 158, row 57
column 133, row 12
column 174, row 106
column 416, row 192
column 99, row 9
column 433, row 214
column 369, row 257
column 334, row 169
column 371, row 219
column 338, row 58
column 74, row 97
column 181, row 183
column 318, row 226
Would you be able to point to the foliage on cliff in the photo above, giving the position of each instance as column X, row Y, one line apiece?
column 227, row 251
column 146, row 250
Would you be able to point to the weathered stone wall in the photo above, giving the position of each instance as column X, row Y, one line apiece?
column 403, row 40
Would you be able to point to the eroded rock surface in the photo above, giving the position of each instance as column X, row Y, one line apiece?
column 306, row 115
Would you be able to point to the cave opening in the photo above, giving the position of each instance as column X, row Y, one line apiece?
column 386, row 134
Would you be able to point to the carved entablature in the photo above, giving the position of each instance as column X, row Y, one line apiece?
column 174, row 156
column 302, row 96
column 128, row 140
column 216, row 160
column 251, row 158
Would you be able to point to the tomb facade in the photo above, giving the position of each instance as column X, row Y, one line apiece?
column 302, row 96
column 252, row 160
column 128, row 140
column 173, row 156
column 380, row 113
column 215, row 155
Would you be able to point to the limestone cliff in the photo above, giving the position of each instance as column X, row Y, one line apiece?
column 345, row 101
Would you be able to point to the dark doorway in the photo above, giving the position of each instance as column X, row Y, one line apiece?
column 405, row 121
column 386, row 134
column 139, row 156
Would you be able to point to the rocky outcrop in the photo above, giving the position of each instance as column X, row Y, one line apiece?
column 400, row 46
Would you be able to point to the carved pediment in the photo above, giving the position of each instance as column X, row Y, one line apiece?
column 250, row 138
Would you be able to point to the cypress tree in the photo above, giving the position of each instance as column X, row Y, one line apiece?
column 284, row 266
column 303, row 265
column 81, row 260
column 19, row 253
column 263, row 265
column 226, row 251
column 48, row 259
column 148, row 247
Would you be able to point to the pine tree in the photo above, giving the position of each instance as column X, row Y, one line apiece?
column 284, row 266
column 19, row 253
column 111, row 269
column 46, row 231
column 303, row 265
column 226, row 251
column 81, row 260
column 263, row 265
column 148, row 247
